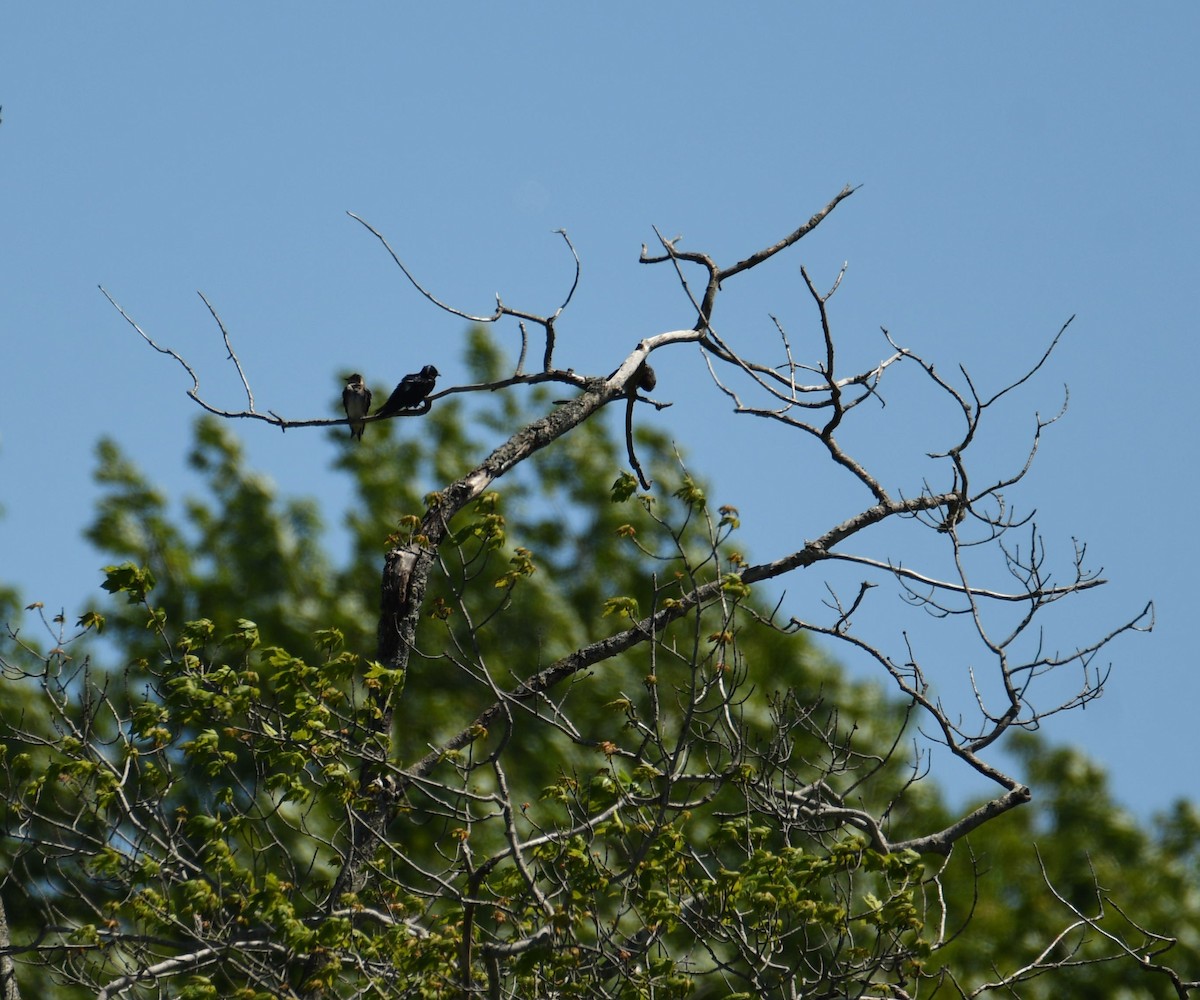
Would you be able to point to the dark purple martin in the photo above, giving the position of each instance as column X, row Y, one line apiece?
column 410, row 391
column 356, row 398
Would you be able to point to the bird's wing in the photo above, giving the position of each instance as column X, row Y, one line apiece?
column 395, row 401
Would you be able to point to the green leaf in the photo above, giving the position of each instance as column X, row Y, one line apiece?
column 133, row 581
column 691, row 493
column 91, row 620
column 626, row 606
column 623, row 487
column 245, row 636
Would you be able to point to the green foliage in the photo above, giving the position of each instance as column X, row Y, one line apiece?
column 212, row 804
column 648, row 828
column 240, row 553
column 1081, row 844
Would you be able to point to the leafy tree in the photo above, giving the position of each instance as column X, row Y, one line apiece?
column 1074, row 871
column 568, row 746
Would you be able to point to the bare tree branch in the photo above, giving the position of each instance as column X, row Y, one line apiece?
column 248, row 820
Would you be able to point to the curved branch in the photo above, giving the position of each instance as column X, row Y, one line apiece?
column 818, row 217
column 942, row 841
column 444, row 306
column 161, row 350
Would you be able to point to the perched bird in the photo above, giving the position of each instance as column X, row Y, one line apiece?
column 356, row 398
column 410, row 391
column 645, row 378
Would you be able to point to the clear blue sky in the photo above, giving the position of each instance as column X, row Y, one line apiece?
column 1019, row 164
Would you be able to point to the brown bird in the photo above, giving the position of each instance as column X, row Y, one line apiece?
column 356, row 398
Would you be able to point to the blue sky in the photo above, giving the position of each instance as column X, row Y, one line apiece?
column 1019, row 164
